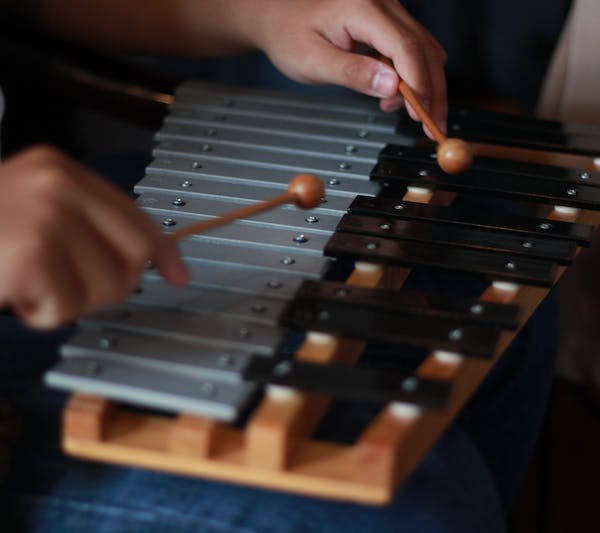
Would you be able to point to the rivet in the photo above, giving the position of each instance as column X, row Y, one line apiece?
column 350, row 149
column 385, row 226
column 527, row 244
column 341, row 292
column 363, row 134
column 476, row 309
column 258, row 307
column 456, row 127
column 207, row 389
column 106, row 343
column 510, row 265
column 225, row 360
column 371, row 246
column 571, row 191
column 211, row 132
column 344, row 166
column 186, row 184
column 333, row 181
column 312, row 219
column 545, row 225
column 94, row 368
column 423, row 173
column 283, row 368
column 274, row 284
column 455, row 334
column 206, row 148
column 178, row 202
column 288, row 261
column 168, row 222
column 196, row 164
column 244, row 333
column 399, row 207
column 301, row 239
column 323, row 315
column 584, row 175
column 409, row 385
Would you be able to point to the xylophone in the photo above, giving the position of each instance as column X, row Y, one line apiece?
column 201, row 381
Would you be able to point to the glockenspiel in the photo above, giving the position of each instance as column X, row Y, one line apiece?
column 230, row 377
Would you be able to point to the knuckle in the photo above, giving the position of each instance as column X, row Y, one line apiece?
column 412, row 44
column 51, row 168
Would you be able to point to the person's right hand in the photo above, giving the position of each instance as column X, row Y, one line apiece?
column 70, row 242
column 314, row 41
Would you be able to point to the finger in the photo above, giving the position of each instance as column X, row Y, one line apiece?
column 99, row 265
column 127, row 229
column 49, row 293
column 167, row 260
column 437, row 107
column 330, row 64
column 392, row 104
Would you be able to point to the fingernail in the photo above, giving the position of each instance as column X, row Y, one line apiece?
column 384, row 83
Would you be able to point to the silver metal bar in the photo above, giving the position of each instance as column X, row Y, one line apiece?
column 345, row 133
column 157, row 292
column 291, row 113
column 352, row 103
column 191, row 327
column 151, row 388
column 288, row 243
column 264, row 156
column 307, row 145
column 191, row 168
column 171, row 355
column 205, row 209
column 214, row 189
column 242, row 279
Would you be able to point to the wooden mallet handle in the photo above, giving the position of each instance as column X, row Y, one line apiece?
column 305, row 191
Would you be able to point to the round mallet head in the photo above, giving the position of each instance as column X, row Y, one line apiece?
column 308, row 189
column 454, row 156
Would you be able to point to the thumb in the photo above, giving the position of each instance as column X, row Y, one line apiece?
column 358, row 72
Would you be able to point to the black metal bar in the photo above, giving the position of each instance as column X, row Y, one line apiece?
column 392, row 328
column 353, row 383
column 545, row 172
column 457, row 236
column 491, row 266
column 520, row 225
column 461, row 309
column 394, row 172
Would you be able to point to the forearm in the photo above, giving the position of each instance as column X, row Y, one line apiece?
column 178, row 27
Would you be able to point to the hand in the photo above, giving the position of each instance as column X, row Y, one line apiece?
column 70, row 242
column 314, row 41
